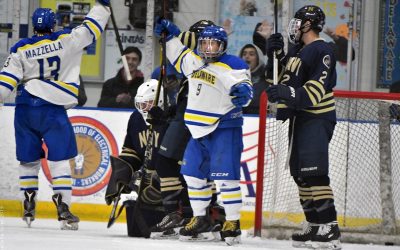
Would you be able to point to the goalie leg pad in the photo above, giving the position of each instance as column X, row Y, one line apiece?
column 151, row 214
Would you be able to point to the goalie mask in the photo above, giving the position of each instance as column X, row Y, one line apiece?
column 145, row 96
column 309, row 17
column 212, row 43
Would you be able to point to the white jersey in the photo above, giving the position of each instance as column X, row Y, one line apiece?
column 49, row 65
column 209, row 86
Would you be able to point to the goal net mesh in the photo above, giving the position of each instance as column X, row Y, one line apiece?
column 364, row 169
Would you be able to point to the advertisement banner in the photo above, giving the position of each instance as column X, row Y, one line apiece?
column 390, row 71
column 113, row 56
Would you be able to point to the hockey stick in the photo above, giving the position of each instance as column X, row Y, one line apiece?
column 114, row 217
column 137, row 215
column 275, row 70
column 123, row 57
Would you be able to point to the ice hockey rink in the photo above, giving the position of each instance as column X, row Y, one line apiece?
column 45, row 234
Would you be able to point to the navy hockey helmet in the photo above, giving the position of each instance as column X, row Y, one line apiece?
column 43, row 20
column 212, row 43
column 199, row 26
column 309, row 16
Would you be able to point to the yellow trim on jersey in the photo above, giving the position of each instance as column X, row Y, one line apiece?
column 200, row 118
column 45, row 41
column 311, row 96
column 93, row 27
column 224, row 65
column 71, row 88
column 318, row 85
column 8, row 80
column 179, row 60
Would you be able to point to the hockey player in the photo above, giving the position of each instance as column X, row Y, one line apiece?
column 219, row 86
column 45, row 71
column 172, row 147
column 305, row 97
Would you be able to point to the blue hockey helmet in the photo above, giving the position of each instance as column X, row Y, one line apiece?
column 43, row 20
column 212, row 43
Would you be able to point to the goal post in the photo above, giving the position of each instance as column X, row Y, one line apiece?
column 364, row 156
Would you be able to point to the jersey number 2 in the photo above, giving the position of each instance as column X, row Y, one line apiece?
column 51, row 61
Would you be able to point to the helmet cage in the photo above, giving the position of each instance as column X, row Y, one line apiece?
column 146, row 94
column 294, row 30
column 204, row 49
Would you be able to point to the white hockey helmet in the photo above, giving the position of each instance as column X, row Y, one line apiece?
column 145, row 96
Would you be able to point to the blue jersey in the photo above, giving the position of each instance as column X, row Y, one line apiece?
column 311, row 71
column 135, row 143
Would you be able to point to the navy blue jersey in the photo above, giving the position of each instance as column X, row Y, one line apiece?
column 311, row 71
column 134, row 147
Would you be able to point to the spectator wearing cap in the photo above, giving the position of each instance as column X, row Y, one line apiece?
column 118, row 92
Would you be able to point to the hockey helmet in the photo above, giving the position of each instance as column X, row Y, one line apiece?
column 43, row 20
column 145, row 96
column 212, row 43
column 199, row 26
column 309, row 16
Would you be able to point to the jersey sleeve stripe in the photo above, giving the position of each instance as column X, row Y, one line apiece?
column 92, row 29
column 7, row 82
column 10, row 75
column 178, row 62
column 95, row 23
column 311, row 96
column 69, row 88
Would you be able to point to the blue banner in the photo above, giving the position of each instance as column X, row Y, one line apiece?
column 390, row 72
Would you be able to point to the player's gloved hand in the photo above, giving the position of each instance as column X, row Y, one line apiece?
column 105, row 2
column 275, row 43
column 164, row 25
column 281, row 92
column 242, row 94
column 156, row 116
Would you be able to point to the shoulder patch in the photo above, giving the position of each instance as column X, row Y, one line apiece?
column 327, row 61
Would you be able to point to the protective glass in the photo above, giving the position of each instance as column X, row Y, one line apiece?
column 210, row 48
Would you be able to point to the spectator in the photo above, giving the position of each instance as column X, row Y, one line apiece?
column 118, row 92
column 253, row 56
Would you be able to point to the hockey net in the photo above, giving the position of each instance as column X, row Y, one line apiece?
column 364, row 170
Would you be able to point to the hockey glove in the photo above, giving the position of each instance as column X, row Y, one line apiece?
column 164, row 25
column 275, row 43
column 156, row 116
column 283, row 93
column 104, row 2
column 242, row 94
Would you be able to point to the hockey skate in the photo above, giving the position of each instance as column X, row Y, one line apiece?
column 327, row 237
column 67, row 220
column 230, row 232
column 29, row 207
column 199, row 228
column 303, row 238
column 168, row 226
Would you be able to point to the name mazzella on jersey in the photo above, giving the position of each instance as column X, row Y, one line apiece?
column 45, row 49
